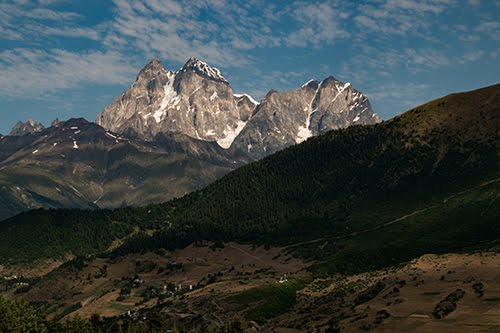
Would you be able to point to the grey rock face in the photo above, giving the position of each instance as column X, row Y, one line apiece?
column 290, row 117
column 28, row 127
column 196, row 101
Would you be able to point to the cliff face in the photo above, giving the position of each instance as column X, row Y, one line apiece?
column 288, row 118
column 199, row 102
column 196, row 101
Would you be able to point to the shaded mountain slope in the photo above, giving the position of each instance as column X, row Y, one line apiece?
column 79, row 164
column 433, row 149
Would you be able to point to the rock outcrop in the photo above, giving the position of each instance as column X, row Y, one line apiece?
column 28, row 127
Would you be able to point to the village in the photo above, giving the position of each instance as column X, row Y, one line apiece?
column 127, row 285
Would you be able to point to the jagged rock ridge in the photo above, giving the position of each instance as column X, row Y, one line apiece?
column 290, row 117
column 28, row 127
column 199, row 102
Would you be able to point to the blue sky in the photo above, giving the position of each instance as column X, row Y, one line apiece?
column 63, row 58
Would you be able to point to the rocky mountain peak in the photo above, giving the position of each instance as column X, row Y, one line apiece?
column 290, row 117
column 271, row 93
column 247, row 98
column 154, row 67
column 329, row 81
column 76, row 122
column 203, row 69
column 196, row 101
column 55, row 122
column 28, row 127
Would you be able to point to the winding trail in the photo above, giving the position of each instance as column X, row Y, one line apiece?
column 355, row 233
column 245, row 252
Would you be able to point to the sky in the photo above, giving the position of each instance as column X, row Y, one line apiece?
column 65, row 59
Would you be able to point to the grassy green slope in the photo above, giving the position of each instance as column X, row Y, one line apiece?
column 467, row 220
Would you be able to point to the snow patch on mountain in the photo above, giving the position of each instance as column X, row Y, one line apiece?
column 341, row 90
column 304, row 132
column 203, row 68
column 247, row 96
column 231, row 134
column 170, row 99
column 307, row 83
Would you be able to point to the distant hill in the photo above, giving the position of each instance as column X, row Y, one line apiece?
column 78, row 164
column 425, row 181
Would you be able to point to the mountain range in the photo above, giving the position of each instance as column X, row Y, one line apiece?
column 198, row 101
column 80, row 164
column 170, row 133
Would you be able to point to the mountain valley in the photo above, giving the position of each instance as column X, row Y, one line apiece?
column 172, row 166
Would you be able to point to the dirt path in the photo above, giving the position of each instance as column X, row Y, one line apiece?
column 246, row 252
column 355, row 233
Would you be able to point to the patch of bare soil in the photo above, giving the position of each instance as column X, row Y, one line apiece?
column 446, row 293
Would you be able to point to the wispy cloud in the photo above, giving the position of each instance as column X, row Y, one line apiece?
column 29, row 72
column 82, row 32
column 489, row 28
column 30, row 21
column 398, row 91
column 31, row 11
column 170, row 31
column 375, row 62
column 319, row 24
column 400, row 96
column 472, row 56
column 399, row 17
